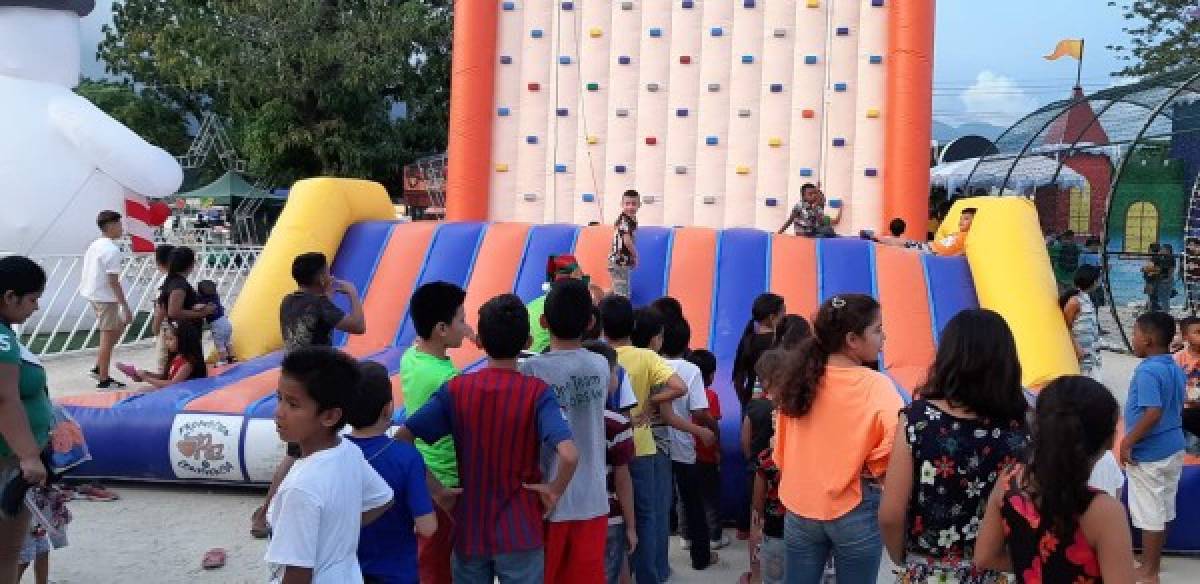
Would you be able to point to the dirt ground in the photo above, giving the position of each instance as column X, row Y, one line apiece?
column 159, row 533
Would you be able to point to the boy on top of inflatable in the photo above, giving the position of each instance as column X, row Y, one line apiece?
column 956, row 243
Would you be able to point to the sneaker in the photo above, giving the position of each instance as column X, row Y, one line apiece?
column 685, row 544
column 717, row 544
column 110, row 384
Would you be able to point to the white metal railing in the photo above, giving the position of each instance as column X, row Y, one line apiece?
column 65, row 323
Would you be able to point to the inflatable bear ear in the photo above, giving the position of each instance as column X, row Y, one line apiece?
column 80, row 7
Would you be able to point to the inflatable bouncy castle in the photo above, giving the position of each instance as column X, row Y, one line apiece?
column 718, row 113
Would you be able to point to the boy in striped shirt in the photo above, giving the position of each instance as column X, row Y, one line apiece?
column 500, row 419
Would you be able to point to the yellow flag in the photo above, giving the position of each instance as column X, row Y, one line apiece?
column 1067, row 48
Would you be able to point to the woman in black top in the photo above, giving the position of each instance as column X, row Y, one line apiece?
column 766, row 314
column 177, row 297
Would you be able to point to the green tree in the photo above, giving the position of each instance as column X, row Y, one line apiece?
column 307, row 86
column 150, row 116
column 1164, row 35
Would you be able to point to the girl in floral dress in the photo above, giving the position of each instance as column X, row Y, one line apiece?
column 1043, row 522
column 966, row 425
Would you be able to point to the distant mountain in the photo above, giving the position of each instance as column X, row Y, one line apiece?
column 943, row 132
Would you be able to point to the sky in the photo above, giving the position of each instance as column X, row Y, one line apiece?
column 988, row 64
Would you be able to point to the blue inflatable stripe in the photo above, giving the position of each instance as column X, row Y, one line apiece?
column 845, row 266
column 356, row 260
column 543, row 241
column 951, row 289
column 648, row 280
column 451, row 254
column 741, row 274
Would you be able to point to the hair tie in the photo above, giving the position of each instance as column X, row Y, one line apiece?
column 837, row 302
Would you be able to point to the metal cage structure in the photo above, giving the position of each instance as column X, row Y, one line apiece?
column 1137, row 148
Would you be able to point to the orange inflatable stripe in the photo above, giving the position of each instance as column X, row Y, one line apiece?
column 495, row 272
column 235, row 398
column 392, row 285
column 591, row 249
column 794, row 273
column 472, row 85
column 907, row 322
column 99, row 400
column 691, row 278
column 908, row 115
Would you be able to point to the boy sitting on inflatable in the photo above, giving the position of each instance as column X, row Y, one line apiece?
column 956, row 243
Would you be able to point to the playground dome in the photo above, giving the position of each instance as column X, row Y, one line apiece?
column 1138, row 147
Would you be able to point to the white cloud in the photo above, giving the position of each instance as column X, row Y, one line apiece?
column 996, row 99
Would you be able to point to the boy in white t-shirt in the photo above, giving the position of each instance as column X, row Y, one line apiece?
column 329, row 493
column 100, row 284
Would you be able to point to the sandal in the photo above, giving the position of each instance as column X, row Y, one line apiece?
column 213, row 559
column 96, row 493
column 130, row 371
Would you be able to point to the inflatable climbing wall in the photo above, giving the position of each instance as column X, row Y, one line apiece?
column 717, row 112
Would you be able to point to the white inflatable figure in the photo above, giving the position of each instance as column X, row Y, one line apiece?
column 62, row 160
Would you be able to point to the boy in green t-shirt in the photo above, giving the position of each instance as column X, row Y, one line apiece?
column 437, row 314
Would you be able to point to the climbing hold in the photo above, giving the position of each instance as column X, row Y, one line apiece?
column 619, row 169
column 651, row 140
column 839, row 142
column 501, row 167
column 775, row 142
column 743, row 169
column 810, row 59
column 534, row 86
column 808, row 114
column 502, row 111
column 873, row 113
column 710, row 140
column 531, row 139
column 776, row 87
column 685, row 59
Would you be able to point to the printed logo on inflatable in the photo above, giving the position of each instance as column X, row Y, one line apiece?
column 206, row 447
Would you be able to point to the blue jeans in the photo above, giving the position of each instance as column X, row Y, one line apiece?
column 616, row 547
column 664, row 498
column 642, row 469
column 515, row 568
column 853, row 538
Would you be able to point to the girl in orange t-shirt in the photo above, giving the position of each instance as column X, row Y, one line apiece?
column 833, row 438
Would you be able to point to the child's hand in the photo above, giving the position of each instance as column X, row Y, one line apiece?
column 344, row 287
column 546, row 494
column 631, row 537
column 1125, row 454
column 447, row 498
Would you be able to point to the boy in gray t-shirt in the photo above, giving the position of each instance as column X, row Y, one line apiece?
column 577, row 527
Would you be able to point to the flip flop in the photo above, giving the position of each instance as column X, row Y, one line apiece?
column 258, row 524
column 213, row 559
column 130, row 371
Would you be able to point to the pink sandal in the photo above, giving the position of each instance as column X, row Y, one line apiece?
column 130, row 371
column 213, row 559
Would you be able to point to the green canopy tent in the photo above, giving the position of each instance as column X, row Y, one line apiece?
column 252, row 210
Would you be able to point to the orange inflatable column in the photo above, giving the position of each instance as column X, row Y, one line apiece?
column 909, row 114
column 472, row 82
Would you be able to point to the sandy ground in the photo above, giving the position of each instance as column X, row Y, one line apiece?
column 160, row 532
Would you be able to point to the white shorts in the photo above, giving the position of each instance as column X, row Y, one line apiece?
column 222, row 334
column 1152, row 490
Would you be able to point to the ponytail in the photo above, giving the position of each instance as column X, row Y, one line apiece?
column 1074, row 423
column 805, row 368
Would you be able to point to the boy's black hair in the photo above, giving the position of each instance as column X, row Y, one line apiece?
column 374, row 394
column 632, row 193
column 603, row 349
column 568, row 309
column 677, row 335
column 597, row 330
column 162, row 254
column 804, row 187
column 897, row 227
column 969, row 210
column 617, row 313
column 21, row 276
column 182, row 260
column 1085, row 277
column 504, row 326
column 329, row 376
column 1068, row 234
column 207, row 287
column 106, row 217
column 434, row 303
column 647, row 324
column 1186, row 322
column 669, row 307
column 706, row 362
column 1160, row 326
column 1153, row 247
column 307, row 268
